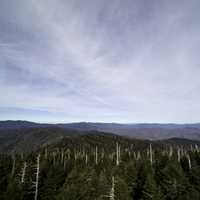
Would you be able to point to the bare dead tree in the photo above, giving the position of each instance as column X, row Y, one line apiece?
column 129, row 153
column 117, row 154
column 23, row 172
column 138, row 157
column 178, row 154
column 189, row 162
column 37, row 177
column 151, row 154
column 75, row 155
column 112, row 191
column 147, row 152
column 86, row 159
column 13, row 165
column 170, row 152
column 62, row 155
column 196, row 148
column 96, row 155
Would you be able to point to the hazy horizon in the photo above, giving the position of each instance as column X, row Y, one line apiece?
column 71, row 122
column 131, row 61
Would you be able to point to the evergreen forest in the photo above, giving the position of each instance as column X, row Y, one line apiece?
column 103, row 166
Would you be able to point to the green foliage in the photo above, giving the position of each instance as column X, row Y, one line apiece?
column 68, row 171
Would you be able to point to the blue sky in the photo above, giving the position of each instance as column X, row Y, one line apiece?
column 98, row 60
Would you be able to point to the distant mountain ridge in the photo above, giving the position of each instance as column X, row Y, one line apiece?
column 26, row 140
column 90, row 125
column 15, row 124
column 152, row 131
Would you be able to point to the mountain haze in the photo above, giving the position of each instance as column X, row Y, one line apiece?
column 150, row 131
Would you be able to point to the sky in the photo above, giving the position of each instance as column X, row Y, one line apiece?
column 127, row 61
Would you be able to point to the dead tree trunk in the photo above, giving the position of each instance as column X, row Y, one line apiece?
column 13, row 165
column 117, row 154
column 189, row 162
column 23, row 172
column 62, row 155
column 86, row 159
column 96, row 155
column 196, row 148
column 178, row 154
column 112, row 191
column 151, row 154
column 170, row 152
column 37, row 177
column 138, row 157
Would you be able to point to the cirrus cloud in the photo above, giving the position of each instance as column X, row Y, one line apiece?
column 122, row 61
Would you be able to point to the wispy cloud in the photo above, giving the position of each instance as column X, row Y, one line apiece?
column 126, row 61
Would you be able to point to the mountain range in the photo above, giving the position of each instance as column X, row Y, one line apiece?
column 151, row 131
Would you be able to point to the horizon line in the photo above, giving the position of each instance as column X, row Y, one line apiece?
column 71, row 122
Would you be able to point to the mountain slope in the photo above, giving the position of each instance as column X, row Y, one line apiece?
column 30, row 139
column 140, row 131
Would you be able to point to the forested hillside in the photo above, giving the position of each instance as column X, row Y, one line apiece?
column 102, row 166
column 141, row 131
column 30, row 139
